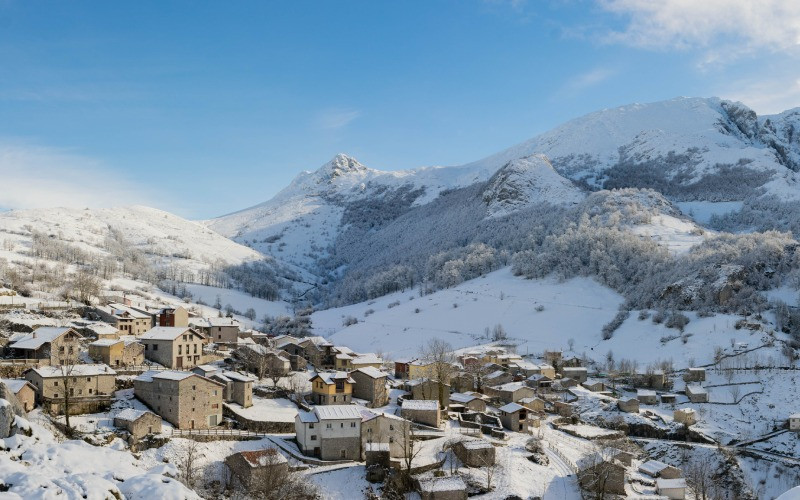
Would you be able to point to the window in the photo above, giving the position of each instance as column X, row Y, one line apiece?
column 155, row 347
column 391, row 427
column 344, row 453
column 341, row 425
column 55, row 383
column 146, row 346
column 195, row 348
column 55, row 395
column 90, row 391
column 88, row 379
column 180, row 350
column 334, row 399
column 352, row 424
column 391, row 439
column 71, row 391
column 311, row 425
column 80, row 391
column 185, row 338
column 313, row 437
column 61, row 349
column 329, row 426
column 215, row 393
column 215, row 405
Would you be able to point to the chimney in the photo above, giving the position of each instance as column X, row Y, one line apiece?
column 34, row 334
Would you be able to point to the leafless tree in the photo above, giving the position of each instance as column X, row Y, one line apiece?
column 275, row 482
column 699, row 477
column 735, row 390
column 187, row 463
column 440, row 354
column 410, row 451
column 86, row 284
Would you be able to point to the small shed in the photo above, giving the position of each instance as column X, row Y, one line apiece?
column 248, row 467
column 695, row 375
column 475, row 452
column 674, row 489
column 655, row 468
column 421, row 411
column 138, row 423
column 628, row 405
column 686, row 416
column 697, row 394
column 443, row 488
column 647, row 396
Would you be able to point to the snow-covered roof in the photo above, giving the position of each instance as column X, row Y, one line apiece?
column 645, row 393
column 460, row 397
column 338, row 412
column 105, row 342
column 286, row 339
column 592, row 381
column 652, row 467
column 209, row 322
column 371, row 371
column 342, row 355
column 536, row 377
column 235, row 376
column 573, row 369
column 696, row 389
column 307, row 417
column 511, row 408
column 666, row 484
column 207, row 368
column 527, row 365
column 102, row 328
column 15, row 384
column 148, row 376
column 330, row 377
column 794, row 415
column 121, row 310
column 316, row 340
column 495, row 374
column 344, row 349
column 367, row 359
column 452, row 483
column 420, row 404
column 74, row 370
column 39, row 337
column 131, row 414
column 476, row 444
column 165, row 333
column 510, row 386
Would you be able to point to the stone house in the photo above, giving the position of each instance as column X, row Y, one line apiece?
column 442, row 488
column 598, row 473
column 176, row 347
column 377, row 454
column 695, row 375
column 462, row 382
column 647, row 397
column 697, row 394
column 511, row 392
column 126, row 319
column 331, row 432
column 332, row 388
column 534, row 404
column 173, row 316
column 563, row 408
column 343, row 362
column 385, row 428
column 117, row 352
column 370, row 384
column 497, row 377
column 24, row 390
column 653, row 379
column 217, row 330
column 628, row 405
column 542, row 383
column 90, row 387
column 185, row 399
column 420, row 368
column 794, row 422
column 578, row 373
column 425, row 388
column 319, row 352
column 249, row 468
column 668, row 398
column 553, row 357
column 238, row 387
column 475, row 452
column 514, row 417
column 138, row 423
column 421, row 411
column 686, row 416
column 401, row 369
column 47, row 344
column 469, row 402
column 547, row 370
column 101, row 331
column 594, row 385
column 525, row 368
column 564, row 383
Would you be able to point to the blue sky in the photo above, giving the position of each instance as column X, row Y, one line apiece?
column 207, row 108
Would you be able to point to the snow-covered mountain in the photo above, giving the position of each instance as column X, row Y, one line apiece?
column 704, row 150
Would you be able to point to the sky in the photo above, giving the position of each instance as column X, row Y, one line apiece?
column 205, row 108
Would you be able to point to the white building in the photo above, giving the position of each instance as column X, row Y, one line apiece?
column 330, row 432
column 794, row 422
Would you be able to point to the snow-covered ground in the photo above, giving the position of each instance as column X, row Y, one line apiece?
column 267, row 410
column 575, row 309
column 701, row 211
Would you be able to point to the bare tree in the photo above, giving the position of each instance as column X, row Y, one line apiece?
column 67, row 358
column 699, row 477
column 410, row 452
column 271, row 481
column 735, row 390
column 86, row 284
column 440, row 354
column 188, row 468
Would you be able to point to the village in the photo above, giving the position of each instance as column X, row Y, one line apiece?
column 296, row 412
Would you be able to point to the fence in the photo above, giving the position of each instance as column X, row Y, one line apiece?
column 217, row 432
column 564, row 459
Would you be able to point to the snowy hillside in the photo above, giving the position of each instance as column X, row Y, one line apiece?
column 165, row 237
column 537, row 315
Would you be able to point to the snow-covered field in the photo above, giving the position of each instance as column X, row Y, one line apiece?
column 575, row 309
column 267, row 410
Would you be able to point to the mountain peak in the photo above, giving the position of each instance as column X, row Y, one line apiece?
column 340, row 165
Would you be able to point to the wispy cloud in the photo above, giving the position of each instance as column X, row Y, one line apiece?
column 722, row 28
column 39, row 177
column 336, row 118
column 583, row 81
column 766, row 96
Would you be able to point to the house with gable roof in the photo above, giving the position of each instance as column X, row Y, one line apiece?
column 331, row 432
column 185, row 399
column 332, row 388
column 47, row 344
column 173, row 346
column 370, row 384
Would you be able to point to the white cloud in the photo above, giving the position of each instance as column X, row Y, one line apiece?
column 336, row 118
column 766, row 96
column 735, row 26
column 40, row 177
